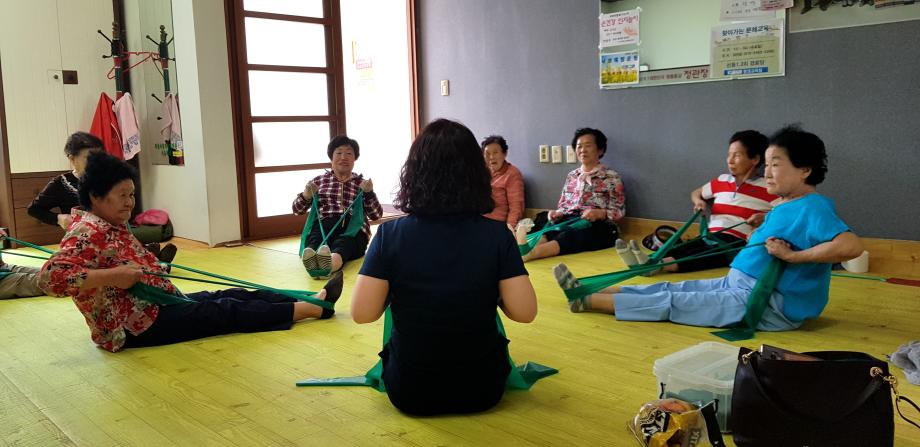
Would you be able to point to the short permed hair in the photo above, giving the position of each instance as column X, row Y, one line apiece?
column 498, row 139
column 103, row 172
column 599, row 138
column 444, row 174
column 754, row 142
column 79, row 141
column 805, row 150
column 343, row 140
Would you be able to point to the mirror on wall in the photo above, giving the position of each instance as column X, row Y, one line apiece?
column 153, row 83
column 660, row 42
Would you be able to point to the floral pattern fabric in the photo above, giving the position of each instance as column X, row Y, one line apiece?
column 600, row 188
column 92, row 243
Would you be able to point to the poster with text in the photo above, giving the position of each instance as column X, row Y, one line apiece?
column 743, row 9
column 814, row 15
column 773, row 5
column 619, row 69
column 619, row 28
column 747, row 49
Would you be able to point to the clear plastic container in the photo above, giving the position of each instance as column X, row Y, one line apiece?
column 701, row 373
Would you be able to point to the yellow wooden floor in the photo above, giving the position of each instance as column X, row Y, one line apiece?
column 236, row 390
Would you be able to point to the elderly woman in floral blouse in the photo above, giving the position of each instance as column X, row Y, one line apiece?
column 593, row 192
column 100, row 260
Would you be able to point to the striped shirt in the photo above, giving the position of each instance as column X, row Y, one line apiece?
column 733, row 203
column 335, row 196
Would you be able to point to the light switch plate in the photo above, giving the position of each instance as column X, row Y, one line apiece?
column 445, row 87
column 544, row 153
column 570, row 154
column 557, row 154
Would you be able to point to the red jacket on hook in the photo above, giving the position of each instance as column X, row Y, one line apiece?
column 105, row 127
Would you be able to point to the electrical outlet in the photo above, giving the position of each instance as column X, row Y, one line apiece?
column 557, row 154
column 544, row 153
column 570, row 154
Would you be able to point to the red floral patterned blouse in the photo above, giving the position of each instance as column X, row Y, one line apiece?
column 601, row 188
column 93, row 243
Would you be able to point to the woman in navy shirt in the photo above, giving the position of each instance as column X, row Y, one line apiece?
column 443, row 270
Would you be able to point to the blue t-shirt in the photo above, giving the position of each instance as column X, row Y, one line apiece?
column 443, row 274
column 804, row 223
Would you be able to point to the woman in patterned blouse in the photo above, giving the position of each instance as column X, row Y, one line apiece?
column 336, row 190
column 593, row 192
column 100, row 259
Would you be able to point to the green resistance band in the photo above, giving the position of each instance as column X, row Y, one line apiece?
column 354, row 226
column 161, row 297
column 575, row 223
column 520, row 378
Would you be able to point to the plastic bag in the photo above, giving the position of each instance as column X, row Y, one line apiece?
column 675, row 423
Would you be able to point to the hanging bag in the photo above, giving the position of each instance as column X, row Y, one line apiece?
column 842, row 399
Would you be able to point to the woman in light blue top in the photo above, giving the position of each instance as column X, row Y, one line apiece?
column 803, row 230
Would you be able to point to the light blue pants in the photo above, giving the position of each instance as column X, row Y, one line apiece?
column 715, row 302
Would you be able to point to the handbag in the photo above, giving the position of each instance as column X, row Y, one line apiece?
column 842, row 399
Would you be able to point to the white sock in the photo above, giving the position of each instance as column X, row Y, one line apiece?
column 625, row 253
column 641, row 257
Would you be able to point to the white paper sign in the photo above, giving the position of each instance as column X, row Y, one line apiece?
column 773, row 5
column 619, row 28
column 742, row 9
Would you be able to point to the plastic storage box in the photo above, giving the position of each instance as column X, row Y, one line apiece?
column 700, row 373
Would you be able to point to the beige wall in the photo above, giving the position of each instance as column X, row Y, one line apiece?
column 201, row 197
column 38, row 39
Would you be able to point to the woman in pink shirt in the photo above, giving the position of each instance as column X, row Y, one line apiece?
column 507, row 182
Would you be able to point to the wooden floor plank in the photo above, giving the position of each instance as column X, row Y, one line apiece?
column 238, row 390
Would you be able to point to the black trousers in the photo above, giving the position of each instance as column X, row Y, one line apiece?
column 347, row 247
column 698, row 246
column 600, row 235
column 447, row 385
column 215, row 313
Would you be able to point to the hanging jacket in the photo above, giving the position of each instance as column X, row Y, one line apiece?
column 105, row 127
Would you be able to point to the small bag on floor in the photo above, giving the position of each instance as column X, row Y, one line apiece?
column 676, row 423
column 840, row 399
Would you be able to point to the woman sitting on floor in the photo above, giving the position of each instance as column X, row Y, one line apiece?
column 100, row 259
column 803, row 230
column 740, row 201
column 336, row 190
column 593, row 192
column 507, row 182
column 443, row 270
column 61, row 193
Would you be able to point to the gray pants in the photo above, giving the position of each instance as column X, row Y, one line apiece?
column 21, row 283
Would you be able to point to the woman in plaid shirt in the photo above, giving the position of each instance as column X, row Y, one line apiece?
column 335, row 190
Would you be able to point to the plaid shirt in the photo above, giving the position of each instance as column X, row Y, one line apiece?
column 92, row 243
column 335, row 196
column 599, row 189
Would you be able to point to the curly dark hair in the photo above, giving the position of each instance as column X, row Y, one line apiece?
column 103, row 172
column 79, row 141
column 444, row 174
column 805, row 150
column 754, row 142
column 599, row 138
column 500, row 140
column 343, row 140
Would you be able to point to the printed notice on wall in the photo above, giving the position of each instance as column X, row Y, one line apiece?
column 619, row 28
column 747, row 49
column 744, row 9
column 773, row 5
column 618, row 69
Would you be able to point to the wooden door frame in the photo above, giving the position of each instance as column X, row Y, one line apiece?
column 239, row 103
column 6, row 187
